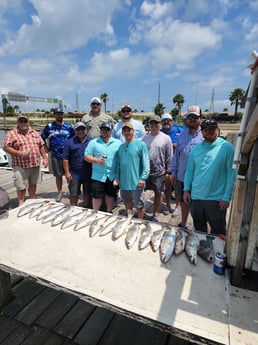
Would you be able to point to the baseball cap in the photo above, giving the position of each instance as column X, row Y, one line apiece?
column 155, row 118
column 95, row 100
column 106, row 125
column 128, row 125
column 58, row 111
column 79, row 124
column 194, row 109
column 22, row 116
column 126, row 106
column 208, row 123
column 166, row 117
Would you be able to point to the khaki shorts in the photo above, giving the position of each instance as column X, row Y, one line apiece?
column 24, row 177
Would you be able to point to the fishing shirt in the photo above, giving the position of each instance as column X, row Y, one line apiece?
column 132, row 164
column 57, row 135
column 74, row 150
column 161, row 152
column 30, row 141
column 185, row 144
column 209, row 173
column 93, row 123
column 139, row 130
column 99, row 148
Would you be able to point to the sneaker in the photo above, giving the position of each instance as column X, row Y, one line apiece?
column 167, row 210
column 154, row 219
column 185, row 227
column 59, row 197
column 176, row 213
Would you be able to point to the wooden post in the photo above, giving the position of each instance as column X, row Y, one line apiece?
column 5, row 289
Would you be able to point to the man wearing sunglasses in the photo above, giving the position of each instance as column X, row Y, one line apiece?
column 126, row 114
column 95, row 117
column 209, row 180
column 77, row 170
column 100, row 153
column 25, row 146
column 190, row 137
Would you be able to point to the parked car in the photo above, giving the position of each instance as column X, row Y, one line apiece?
column 225, row 117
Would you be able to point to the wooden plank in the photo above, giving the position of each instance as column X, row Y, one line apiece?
column 251, row 132
column 24, row 293
column 54, row 339
column 56, row 311
column 74, row 319
column 18, row 336
column 95, row 326
column 126, row 334
column 7, row 327
column 32, row 311
column 37, row 337
column 150, row 335
column 5, row 289
column 235, row 222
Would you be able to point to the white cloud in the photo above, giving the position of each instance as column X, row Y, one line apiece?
column 156, row 10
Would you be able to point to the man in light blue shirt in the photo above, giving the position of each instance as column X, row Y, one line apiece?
column 101, row 152
column 126, row 114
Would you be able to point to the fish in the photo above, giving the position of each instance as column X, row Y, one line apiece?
column 98, row 224
column 205, row 249
column 74, row 219
column 145, row 237
column 132, row 234
column 191, row 246
column 51, row 208
column 167, row 245
column 121, row 228
column 36, row 211
column 85, row 221
column 62, row 216
column 109, row 227
column 180, row 241
column 30, row 207
column 156, row 238
column 53, row 213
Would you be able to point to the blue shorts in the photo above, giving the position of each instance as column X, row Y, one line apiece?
column 75, row 187
column 57, row 166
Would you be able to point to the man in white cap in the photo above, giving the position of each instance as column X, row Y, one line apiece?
column 126, row 114
column 190, row 137
column 95, row 118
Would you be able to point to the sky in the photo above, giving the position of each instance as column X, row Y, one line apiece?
column 138, row 52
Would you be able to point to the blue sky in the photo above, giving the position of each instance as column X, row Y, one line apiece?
column 126, row 48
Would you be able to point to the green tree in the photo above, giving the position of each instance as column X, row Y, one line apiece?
column 10, row 109
column 179, row 100
column 236, row 97
column 16, row 108
column 159, row 109
column 174, row 113
column 5, row 103
column 104, row 98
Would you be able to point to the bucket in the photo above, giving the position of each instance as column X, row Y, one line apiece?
column 219, row 263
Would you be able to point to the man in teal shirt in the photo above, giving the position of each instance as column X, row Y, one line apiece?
column 132, row 170
column 209, row 180
column 101, row 152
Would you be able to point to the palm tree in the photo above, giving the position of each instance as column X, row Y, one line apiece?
column 159, row 109
column 16, row 108
column 179, row 100
column 236, row 97
column 104, row 98
column 5, row 102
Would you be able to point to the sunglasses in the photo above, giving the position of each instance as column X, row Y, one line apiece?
column 126, row 110
column 105, row 129
column 192, row 117
column 95, row 103
column 80, row 129
column 165, row 120
column 23, row 121
column 154, row 123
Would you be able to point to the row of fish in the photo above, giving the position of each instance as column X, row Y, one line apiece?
column 168, row 240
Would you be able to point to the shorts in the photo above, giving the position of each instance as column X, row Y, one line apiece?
column 180, row 190
column 24, row 177
column 75, row 187
column 135, row 196
column 156, row 183
column 207, row 211
column 100, row 189
column 57, row 166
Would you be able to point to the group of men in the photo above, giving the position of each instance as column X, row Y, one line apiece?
column 101, row 155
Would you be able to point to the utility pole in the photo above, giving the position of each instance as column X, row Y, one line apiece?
column 77, row 102
column 212, row 103
column 159, row 94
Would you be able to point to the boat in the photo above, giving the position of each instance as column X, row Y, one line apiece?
column 4, row 161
